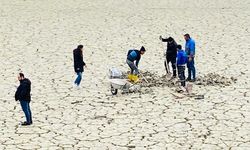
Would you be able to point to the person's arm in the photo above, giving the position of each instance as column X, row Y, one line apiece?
column 84, row 64
column 164, row 40
column 137, row 63
column 191, row 49
column 178, row 58
column 17, row 94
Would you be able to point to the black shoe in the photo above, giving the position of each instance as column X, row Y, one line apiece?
column 173, row 77
column 188, row 79
column 193, row 80
column 25, row 123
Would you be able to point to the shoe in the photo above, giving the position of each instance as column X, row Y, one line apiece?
column 188, row 79
column 25, row 123
column 193, row 80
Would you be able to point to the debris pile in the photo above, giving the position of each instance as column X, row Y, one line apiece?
column 213, row 79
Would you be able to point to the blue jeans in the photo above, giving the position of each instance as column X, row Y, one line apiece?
column 78, row 78
column 191, row 69
column 26, row 109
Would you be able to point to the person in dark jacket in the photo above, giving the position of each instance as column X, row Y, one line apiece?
column 79, row 64
column 133, row 59
column 181, row 62
column 23, row 95
column 171, row 53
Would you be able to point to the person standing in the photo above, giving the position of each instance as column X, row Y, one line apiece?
column 181, row 62
column 23, row 95
column 79, row 64
column 190, row 51
column 171, row 53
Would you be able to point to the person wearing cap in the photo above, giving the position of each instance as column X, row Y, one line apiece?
column 190, row 51
column 79, row 64
column 133, row 59
column 171, row 53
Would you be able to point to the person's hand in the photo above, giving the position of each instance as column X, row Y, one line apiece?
column 160, row 37
column 190, row 59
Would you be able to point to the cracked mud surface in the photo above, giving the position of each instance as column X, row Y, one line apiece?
column 37, row 37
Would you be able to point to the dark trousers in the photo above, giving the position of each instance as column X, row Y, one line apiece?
column 172, row 59
column 133, row 67
column 181, row 75
column 191, row 69
column 26, row 109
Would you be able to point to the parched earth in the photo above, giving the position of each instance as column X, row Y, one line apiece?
column 37, row 38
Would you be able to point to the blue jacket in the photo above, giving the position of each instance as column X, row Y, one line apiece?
column 190, row 47
column 181, row 58
column 134, row 55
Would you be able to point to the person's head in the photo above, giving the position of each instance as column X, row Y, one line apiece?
column 170, row 39
column 20, row 76
column 142, row 50
column 179, row 47
column 186, row 37
column 80, row 47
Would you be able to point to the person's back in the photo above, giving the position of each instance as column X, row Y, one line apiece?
column 181, row 58
column 78, row 60
column 133, row 55
column 24, row 89
column 171, row 48
column 190, row 47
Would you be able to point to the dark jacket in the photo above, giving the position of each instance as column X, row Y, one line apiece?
column 134, row 55
column 23, row 91
column 171, row 47
column 78, row 60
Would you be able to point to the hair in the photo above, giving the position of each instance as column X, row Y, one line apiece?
column 21, row 75
column 187, row 35
column 143, row 49
column 179, row 47
column 79, row 46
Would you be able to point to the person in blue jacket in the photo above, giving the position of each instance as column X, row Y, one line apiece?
column 133, row 59
column 181, row 62
column 190, row 51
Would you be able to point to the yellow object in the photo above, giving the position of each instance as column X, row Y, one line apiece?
column 133, row 78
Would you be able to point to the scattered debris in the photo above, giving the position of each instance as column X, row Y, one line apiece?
column 213, row 79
